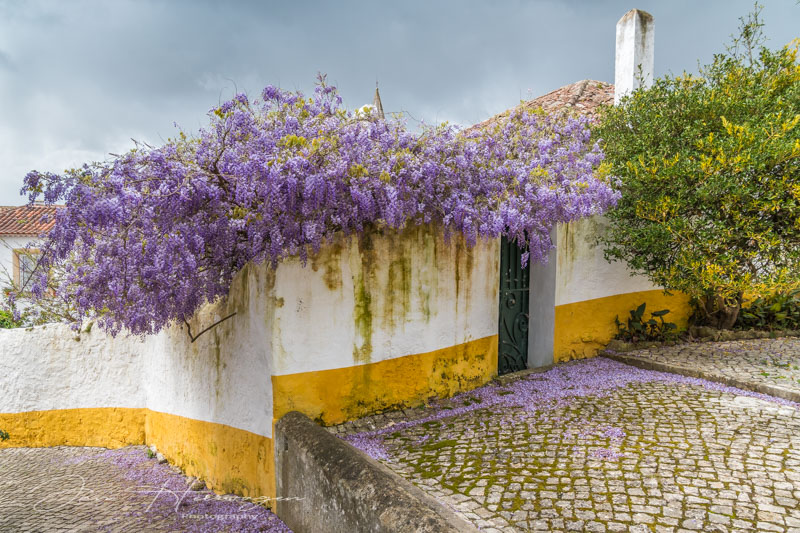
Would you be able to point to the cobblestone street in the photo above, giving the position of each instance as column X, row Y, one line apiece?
column 597, row 445
column 593, row 445
column 772, row 362
column 74, row 489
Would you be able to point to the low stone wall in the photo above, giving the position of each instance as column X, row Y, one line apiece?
column 326, row 485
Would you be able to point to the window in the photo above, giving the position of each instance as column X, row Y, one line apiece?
column 24, row 265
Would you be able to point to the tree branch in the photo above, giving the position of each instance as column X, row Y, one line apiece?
column 195, row 337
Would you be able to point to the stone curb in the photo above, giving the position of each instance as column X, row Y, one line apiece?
column 640, row 362
column 719, row 336
column 326, row 485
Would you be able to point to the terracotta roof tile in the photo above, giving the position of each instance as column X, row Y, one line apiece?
column 585, row 97
column 26, row 220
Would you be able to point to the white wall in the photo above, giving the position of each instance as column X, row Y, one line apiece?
column 224, row 376
column 424, row 294
column 45, row 368
column 583, row 272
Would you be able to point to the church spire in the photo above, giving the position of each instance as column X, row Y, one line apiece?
column 376, row 102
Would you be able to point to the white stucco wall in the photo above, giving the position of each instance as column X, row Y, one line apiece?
column 224, row 376
column 424, row 294
column 583, row 273
column 46, row 368
column 393, row 295
column 635, row 53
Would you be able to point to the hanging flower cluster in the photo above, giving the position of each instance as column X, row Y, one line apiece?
column 149, row 237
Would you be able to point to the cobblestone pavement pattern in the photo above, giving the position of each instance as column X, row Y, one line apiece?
column 772, row 361
column 656, row 455
column 79, row 489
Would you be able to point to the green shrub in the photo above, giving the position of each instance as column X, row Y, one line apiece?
column 7, row 320
column 778, row 311
column 636, row 328
column 709, row 169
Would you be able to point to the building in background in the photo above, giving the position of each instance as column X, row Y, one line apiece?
column 21, row 228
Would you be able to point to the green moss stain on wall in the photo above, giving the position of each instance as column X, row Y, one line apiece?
column 215, row 346
column 329, row 259
column 397, row 294
column 577, row 241
column 427, row 284
column 463, row 266
column 272, row 323
column 362, row 316
column 398, row 278
column 492, row 266
column 565, row 251
column 238, row 299
column 363, row 277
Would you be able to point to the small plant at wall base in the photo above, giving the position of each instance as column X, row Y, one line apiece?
column 777, row 311
column 710, row 171
column 4, row 435
column 636, row 328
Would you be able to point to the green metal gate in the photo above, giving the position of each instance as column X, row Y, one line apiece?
column 514, row 298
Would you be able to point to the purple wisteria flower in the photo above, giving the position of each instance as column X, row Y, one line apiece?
column 148, row 237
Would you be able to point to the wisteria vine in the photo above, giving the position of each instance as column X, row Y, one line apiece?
column 148, row 237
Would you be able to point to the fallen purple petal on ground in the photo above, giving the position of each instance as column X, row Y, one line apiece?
column 549, row 390
column 167, row 494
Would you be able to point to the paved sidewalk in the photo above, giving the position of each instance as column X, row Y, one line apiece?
column 771, row 366
column 596, row 445
column 94, row 489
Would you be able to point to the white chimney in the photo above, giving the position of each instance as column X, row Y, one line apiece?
column 633, row 66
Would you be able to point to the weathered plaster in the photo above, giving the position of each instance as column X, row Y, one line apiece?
column 583, row 272
column 404, row 315
column 394, row 294
column 54, row 367
column 222, row 377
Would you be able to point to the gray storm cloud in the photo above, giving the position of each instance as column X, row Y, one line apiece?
column 80, row 79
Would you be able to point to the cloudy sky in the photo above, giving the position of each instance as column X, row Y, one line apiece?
column 79, row 79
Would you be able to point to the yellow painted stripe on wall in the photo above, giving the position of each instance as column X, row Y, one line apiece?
column 109, row 427
column 228, row 459
column 338, row 395
column 583, row 328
